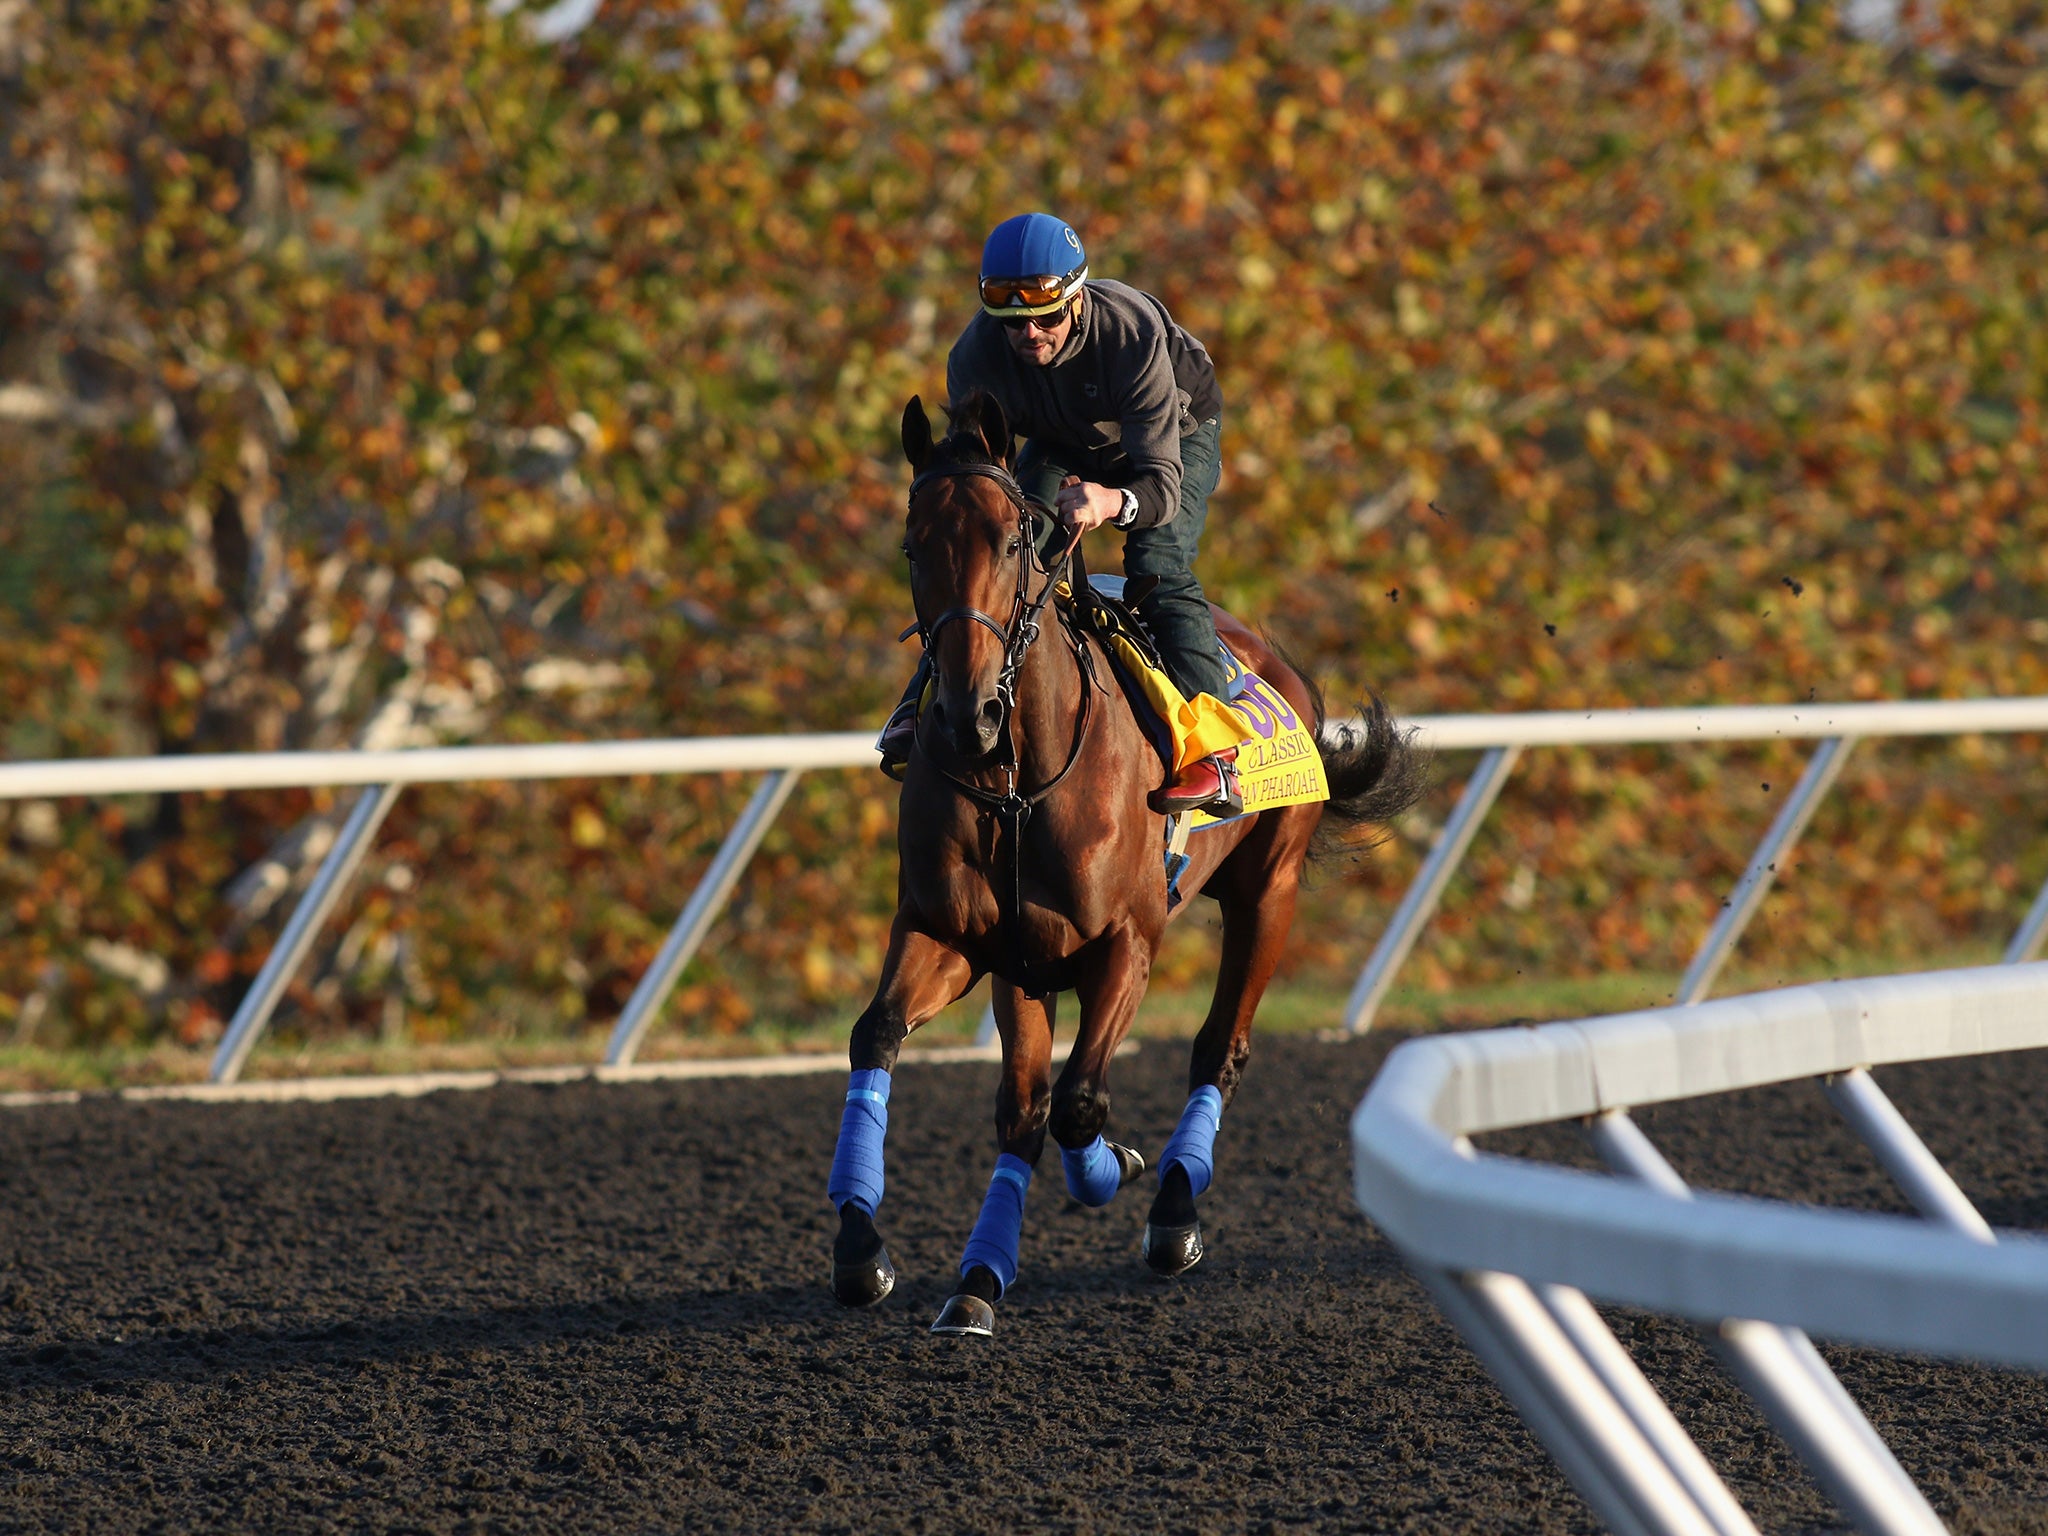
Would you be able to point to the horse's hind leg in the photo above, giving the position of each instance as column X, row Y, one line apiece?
column 1258, row 909
column 919, row 977
column 1023, row 1100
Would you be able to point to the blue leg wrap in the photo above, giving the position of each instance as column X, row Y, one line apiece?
column 857, row 1164
column 1000, row 1226
column 1092, row 1172
column 1193, row 1142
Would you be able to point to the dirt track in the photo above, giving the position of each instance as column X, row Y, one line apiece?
column 602, row 1309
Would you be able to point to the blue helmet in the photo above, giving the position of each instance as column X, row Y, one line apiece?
column 1032, row 264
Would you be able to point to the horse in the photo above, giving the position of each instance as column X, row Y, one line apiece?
column 1027, row 852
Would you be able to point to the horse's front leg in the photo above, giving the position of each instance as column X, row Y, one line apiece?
column 1111, row 984
column 919, row 977
column 1023, row 1102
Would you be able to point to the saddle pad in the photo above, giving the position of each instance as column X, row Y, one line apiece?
column 1277, row 763
column 1193, row 727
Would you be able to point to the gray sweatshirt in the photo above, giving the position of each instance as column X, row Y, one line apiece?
column 1115, row 401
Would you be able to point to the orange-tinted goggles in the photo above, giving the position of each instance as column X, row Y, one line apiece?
column 1025, row 295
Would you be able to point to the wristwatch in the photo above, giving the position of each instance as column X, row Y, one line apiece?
column 1129, row 514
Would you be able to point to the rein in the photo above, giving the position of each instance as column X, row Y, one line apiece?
column 1010, row 806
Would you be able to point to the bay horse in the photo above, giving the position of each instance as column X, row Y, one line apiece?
column 1027, row 852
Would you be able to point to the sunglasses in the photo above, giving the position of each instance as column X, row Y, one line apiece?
column 1051, row 322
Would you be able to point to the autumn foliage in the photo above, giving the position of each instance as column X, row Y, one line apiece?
column 389, row 374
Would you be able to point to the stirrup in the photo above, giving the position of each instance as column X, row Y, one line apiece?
column 1225, row 798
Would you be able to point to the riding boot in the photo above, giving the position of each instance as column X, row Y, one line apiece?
column 897, row 738
column 1207, row 784
column 899, row 734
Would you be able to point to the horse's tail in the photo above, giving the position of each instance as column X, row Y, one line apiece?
column 1376, row 772
column 1374, row 769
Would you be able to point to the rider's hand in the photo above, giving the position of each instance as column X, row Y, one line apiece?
column 1084, row 505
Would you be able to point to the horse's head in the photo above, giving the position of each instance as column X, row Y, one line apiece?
column 968, row 542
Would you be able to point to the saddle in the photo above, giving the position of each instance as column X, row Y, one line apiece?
column 1180, row 729
column 1278, row 760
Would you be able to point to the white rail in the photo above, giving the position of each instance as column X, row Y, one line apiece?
column 1837, row 726
column 850, row 749
column 431, row 765
column 1503, row 738
column 1512, row 1248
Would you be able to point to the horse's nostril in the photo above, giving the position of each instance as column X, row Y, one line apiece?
column 992, row 712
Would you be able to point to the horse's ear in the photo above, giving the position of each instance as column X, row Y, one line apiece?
column 917, row 433
column 995, row 429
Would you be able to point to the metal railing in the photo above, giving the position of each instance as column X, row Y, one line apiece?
column 1511, row 1250
column 1502, row 739
column 1838, row 727
column 384, row 774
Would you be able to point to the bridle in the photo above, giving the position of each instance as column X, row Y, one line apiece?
column 1017, row 636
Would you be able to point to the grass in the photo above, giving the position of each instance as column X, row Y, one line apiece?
column 1303, row 1005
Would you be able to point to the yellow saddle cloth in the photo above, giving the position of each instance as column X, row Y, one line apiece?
column 1277, row 760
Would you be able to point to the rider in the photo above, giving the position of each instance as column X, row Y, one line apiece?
column 1123, row 418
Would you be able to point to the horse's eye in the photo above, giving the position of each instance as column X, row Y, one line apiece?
column 908, row 555
column 1014, row 545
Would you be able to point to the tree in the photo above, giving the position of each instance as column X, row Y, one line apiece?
column 372, row 376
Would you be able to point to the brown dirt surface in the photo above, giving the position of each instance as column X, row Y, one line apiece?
column 592, row 1308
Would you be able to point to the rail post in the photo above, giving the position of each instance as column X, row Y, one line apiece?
column 1756, row 881
column 1894, row 1143
column 285, row 957
column 1617, row 1368
column 1427, row 889
column 2026, row 944
column 1782, row 1371
column 705, row 903
column 1600, row 1447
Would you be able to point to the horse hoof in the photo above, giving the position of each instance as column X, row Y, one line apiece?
column 1171, row 1251
column 861, row 1272
column 966, row 1315
column 1130, row 1164
column 865, row 1281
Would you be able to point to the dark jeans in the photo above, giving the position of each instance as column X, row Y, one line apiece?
column 1175, row 610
